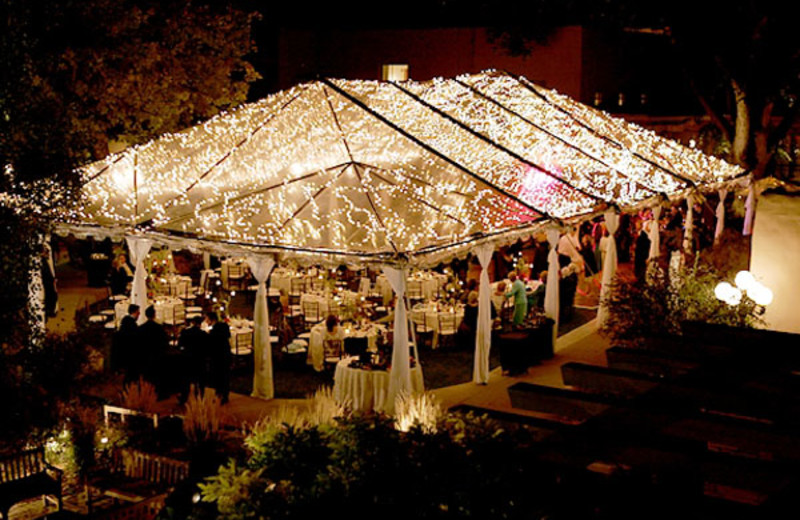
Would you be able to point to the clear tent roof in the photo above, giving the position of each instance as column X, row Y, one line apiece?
column 376, row 169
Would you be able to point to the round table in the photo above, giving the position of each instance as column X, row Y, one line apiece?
column 166, row 308
column 367, row 390
column 316, row 354
column 428, row 314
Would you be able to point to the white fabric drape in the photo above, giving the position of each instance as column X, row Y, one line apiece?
column 723, row 193
column 655, row 234
column 400, row 375
column 609, row 266
column 551, row 296
column 139, row 247
column 206, row 261
column 483, row 333
column 263, row 388
column 749, row 210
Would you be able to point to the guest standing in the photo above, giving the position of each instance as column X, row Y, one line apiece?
column 641, row 252
column 219, row 348
column 193, row 344
column 153, row 343
column 520, row 298
column 124, row 345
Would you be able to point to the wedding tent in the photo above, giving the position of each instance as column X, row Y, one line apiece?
column 396, row 173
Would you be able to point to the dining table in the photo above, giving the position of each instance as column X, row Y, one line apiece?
column 428, row 315
column 367, row 389
column 316, row 354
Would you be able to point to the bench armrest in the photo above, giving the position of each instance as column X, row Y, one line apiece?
column 54, row 472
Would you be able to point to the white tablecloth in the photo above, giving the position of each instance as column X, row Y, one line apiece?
column 366, row 389
column 179, row 286
column 427, row 314
column 281, row 279
column 164, row 308
column 316, row 353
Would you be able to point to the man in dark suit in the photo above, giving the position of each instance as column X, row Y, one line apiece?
column 219, row 355
column 193, row 344
column 153, row 342
column 124, row 344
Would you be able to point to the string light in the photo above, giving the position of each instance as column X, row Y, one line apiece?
column 375, row 168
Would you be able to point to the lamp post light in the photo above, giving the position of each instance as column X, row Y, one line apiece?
column 746, row 285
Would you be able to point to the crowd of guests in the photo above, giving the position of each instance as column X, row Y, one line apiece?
column 203, row 357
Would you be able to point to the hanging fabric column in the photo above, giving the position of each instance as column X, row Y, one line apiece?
column 551, row 296
column 483, row 334
column 688, row 234
column 139, row 247
column 655, row 234
column 609, row 266
column 400, row 375
column 749, row 210
column 206, row 260
column 261, row 267
column 723, row 193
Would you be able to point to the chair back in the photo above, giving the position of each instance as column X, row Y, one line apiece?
column 235, row 271
column 243, row 344
column 311, row 311
column 297, row 285
column 332, row 349
column 317, row 283
column 448, row 323
column 414, row 290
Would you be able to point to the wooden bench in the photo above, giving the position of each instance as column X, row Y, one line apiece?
column 27, row 474
column 562, row 402
column 603, row 380
column 134, row 476
column 649, row 362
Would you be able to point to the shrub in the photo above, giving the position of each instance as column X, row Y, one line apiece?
column 203, row 418
column 658, row 306
column 140, row 396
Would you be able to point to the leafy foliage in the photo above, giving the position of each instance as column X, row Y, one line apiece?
column 362, row 466
column 659, row 304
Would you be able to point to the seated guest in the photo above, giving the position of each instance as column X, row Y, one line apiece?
column 332, row 329
column 121, row 275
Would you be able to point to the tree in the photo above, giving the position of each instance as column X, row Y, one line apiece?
column 741, row 59
column 80, row 73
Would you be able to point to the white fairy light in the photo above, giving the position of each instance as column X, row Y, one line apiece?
column 371, row 167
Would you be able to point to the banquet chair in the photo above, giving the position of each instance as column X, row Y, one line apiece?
column 317, row 284
column 312, row 314
column 507, row 313
column 331, row 352
column 236, row 277
column 425, row 330
column 297, row 286
column 414, row 291
column 448, row 327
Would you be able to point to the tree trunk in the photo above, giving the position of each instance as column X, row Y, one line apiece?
column 761, row 142
column 742, row 130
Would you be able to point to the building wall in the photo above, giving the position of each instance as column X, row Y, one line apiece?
column 447, row 52
column 773, row 258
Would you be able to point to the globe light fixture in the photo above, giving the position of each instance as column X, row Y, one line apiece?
column 723, row 290
column 745, row 280
column 760, row 294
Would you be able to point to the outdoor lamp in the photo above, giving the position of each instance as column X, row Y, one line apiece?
column 745, row 280
column 760, row 294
